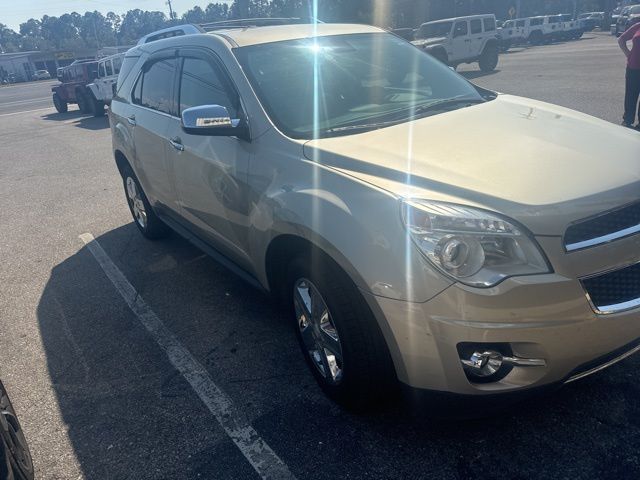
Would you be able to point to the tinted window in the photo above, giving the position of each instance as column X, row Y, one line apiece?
column 476, row 26
column 203, row 84
column 136, row 96
column 117, row 63
column 101, row 69
column 490, row 24
column 108, row 68
column 461, row 29
column 157, row 86
column 125, row 70
column 520, row 23
column 536, row 21
column 434, row 30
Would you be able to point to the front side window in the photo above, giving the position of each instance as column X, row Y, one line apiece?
column 520, row 23
column 108, row 68
column 476, row 26
column 202, row 83
column 434, row 30
column 461, row 29
column 154, row 88
column 330, row 85
column 101, row 72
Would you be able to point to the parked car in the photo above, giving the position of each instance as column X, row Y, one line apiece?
column 358, row 180
column 101, row 88
column 461, row 40
column 592, row 20
column 15, row 458
column 572, row 29
column 628, row 16
column 41, row 75
column 510, row 34
column 536, row 29
column 73, row 87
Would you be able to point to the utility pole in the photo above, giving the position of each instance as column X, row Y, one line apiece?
column 170, row 10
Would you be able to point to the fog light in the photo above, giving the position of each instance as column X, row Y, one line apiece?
column 483, row 364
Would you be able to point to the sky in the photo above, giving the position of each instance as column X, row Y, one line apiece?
column 15, row 12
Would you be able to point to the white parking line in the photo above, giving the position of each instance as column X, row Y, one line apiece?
column 25, row 111
column 21, row 102
column 261, row 457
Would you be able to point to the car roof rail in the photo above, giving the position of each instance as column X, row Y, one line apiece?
column 255, row 22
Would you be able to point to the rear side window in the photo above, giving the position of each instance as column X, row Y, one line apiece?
column 117, row 63
column 101, row 69
column 108, row 68
column 490, row 24
column 125, row 69
column 156, row 86
column 202, row 83
column 476, row 26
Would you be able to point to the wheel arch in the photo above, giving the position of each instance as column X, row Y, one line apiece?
column 285, row 247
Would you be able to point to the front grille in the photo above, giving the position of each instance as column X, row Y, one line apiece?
column 614, row 291
column 603, row 228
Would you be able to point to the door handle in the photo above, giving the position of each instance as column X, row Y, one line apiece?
column 177, row 144
column 132, row 120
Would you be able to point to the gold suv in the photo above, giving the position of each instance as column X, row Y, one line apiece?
column 417, row 227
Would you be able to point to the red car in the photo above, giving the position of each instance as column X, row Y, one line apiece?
column 73, row 89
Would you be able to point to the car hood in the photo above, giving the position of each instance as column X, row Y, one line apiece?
column 425, row 42
column 544, row 165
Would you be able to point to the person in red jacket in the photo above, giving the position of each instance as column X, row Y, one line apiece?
column 632, row 89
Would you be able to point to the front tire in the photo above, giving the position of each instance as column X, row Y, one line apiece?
column 143, row 215
column 97, row 107
column 12, row 439
column 83, row 102
column 489, row 58
column 61, row 105
column 339, row 336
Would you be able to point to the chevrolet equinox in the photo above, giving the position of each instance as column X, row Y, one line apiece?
column 420, row 229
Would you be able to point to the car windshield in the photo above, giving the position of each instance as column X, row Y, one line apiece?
column 434, row 30
column 324, row 86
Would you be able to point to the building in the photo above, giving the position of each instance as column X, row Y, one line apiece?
column 20, row 66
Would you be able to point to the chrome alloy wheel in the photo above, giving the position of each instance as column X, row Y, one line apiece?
column 318, row 331
column 135, row 200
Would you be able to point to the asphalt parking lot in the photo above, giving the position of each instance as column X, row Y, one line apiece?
column 100, row 399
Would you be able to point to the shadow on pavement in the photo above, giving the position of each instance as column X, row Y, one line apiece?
column 82, row 120
column 131, row 415
column 470, row 75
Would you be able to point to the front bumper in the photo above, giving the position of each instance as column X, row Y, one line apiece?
column 542, row 316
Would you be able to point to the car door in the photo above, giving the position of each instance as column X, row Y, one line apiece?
column 210, row 172
column 153, row 107
column 460, row 41
column 477, row 38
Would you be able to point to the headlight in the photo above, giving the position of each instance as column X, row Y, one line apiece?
column 473, row 246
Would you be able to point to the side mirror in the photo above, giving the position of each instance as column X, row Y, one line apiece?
column 213, row 120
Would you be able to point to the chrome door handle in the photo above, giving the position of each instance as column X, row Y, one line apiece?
column 177, row 144
column 132, row 120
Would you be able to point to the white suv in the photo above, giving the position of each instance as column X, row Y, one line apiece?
column 461, row 40
column 102, row 87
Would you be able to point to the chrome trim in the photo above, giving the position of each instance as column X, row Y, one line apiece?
column 610, row 237
column 615, row 308
column 603, row 366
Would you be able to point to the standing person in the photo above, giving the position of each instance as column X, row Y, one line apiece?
column 632, row 88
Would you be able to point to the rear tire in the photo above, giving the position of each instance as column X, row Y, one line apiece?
column 489, row 58
column 61, row 105
column 536, row 38
column 12, row 439
column 351, row 363
column 143, row 215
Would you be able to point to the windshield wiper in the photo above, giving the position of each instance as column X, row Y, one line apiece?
column 364, row 126
column 445, row 103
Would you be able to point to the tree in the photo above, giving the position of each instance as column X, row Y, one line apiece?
column 137, row 23
column 9, row 40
